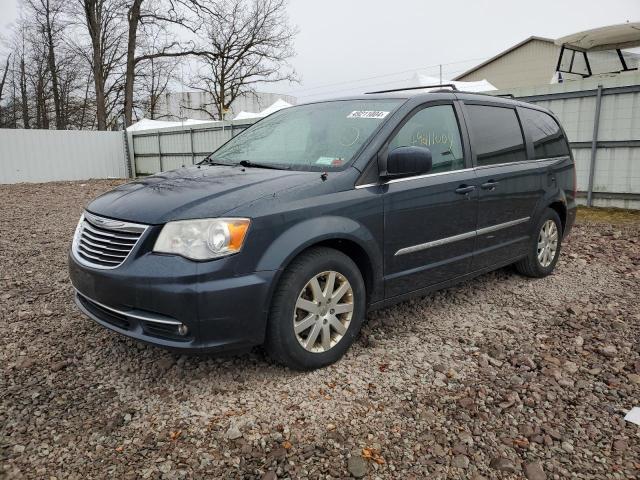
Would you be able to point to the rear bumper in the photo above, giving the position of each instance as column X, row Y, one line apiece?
column 175, row 303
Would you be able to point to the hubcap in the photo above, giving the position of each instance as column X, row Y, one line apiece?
column 547, row 243
column 323, row 311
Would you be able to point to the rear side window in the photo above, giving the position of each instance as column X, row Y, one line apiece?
column 436, row 128
column 497, row 137
column 548, row 140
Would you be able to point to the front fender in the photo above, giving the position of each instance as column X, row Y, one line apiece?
column 307, row 233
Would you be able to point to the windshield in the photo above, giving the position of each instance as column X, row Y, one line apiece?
column 319, row 136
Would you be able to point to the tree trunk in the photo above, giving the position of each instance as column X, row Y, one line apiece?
column 98, row 77
column 84, row 103
column 4, row 76
column 51, row 59
column 134, row 18
column 24, row 95
column 13, row 96
column 93, row 14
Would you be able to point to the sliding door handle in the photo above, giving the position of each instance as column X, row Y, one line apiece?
column 490, row 185
column 464, row 189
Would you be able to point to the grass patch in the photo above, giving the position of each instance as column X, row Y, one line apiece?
column 607, row 215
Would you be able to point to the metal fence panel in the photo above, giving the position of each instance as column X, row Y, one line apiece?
column 618, row 170
column 169, row 148
column 49, row 155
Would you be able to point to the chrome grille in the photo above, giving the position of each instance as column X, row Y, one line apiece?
column 104, row 243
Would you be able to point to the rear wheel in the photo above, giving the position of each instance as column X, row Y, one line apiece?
column 317, row 310
column 545, row 247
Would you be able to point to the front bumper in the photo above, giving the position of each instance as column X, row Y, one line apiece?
column 176, row 303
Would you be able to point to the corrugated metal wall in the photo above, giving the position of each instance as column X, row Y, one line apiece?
column 169, row 148
column 531, row 64
column 48, row 155
column 616, row 174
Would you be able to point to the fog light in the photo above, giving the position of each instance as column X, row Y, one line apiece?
column 183, row 329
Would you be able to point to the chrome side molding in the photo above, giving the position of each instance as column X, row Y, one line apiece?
column 462, row 236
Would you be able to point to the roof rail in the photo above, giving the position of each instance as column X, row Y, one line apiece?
column 449, row 85
column 505, row 95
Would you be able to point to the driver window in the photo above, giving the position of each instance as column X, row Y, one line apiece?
column 436, row 128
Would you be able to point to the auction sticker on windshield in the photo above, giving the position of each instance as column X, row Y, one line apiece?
column 336, row 162
column 367, row 114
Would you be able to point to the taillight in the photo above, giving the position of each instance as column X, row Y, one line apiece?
column 575, row 182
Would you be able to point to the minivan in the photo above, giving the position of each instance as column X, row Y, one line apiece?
column 290, row 232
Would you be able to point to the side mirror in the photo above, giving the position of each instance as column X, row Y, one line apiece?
column 406, row 161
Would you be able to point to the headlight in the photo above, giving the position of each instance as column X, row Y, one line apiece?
column 203, row 239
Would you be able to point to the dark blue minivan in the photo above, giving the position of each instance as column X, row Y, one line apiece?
column 291, row 231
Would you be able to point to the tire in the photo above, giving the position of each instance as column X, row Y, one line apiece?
column 532, row 265
column 300, row 302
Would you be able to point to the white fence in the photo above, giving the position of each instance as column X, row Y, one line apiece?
column 48, row 155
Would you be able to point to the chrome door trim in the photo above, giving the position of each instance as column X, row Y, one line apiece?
column 500, row 226
column 462, row 236
column 477, row 168
column 435, row 243
column 415, row 177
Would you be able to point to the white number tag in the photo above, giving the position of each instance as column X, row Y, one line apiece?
column 367, row 114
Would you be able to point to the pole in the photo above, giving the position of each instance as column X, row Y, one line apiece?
column 594, row 147
column 440, row 74
column 193, row 153
column 159, row 152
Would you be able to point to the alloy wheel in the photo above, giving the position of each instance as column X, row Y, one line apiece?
column 547, row 243
column 323, row 311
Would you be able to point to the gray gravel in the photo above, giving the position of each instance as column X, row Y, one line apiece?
column 501, row 377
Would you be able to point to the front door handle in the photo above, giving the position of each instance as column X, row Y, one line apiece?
column 490, row 185
column 464, row 189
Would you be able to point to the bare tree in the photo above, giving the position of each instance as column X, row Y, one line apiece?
column 105, row 27
column 248, row 42
column 48, row 17
column 154, row 76
column 4, row 75
column 2, row 84
column 20, row 45
column 88, row 63
column 147, row 18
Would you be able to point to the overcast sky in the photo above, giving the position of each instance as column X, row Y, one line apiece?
column 342, row 41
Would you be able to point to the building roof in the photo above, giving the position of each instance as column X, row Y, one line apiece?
column 501, row 54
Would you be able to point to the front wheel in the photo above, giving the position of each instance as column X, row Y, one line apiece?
column 317, row 310
column 545, row 247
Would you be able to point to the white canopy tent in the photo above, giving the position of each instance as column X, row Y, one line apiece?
column 277, row 105
column 148, row 124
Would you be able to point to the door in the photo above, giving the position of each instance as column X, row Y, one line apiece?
column 509, row 185
column 430, row 220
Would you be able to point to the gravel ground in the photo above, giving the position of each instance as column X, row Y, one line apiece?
column 501, row 377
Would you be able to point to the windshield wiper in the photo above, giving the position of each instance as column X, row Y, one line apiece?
column 210, row 161
column 247, row 163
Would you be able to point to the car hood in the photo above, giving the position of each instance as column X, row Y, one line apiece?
column 194, row 192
